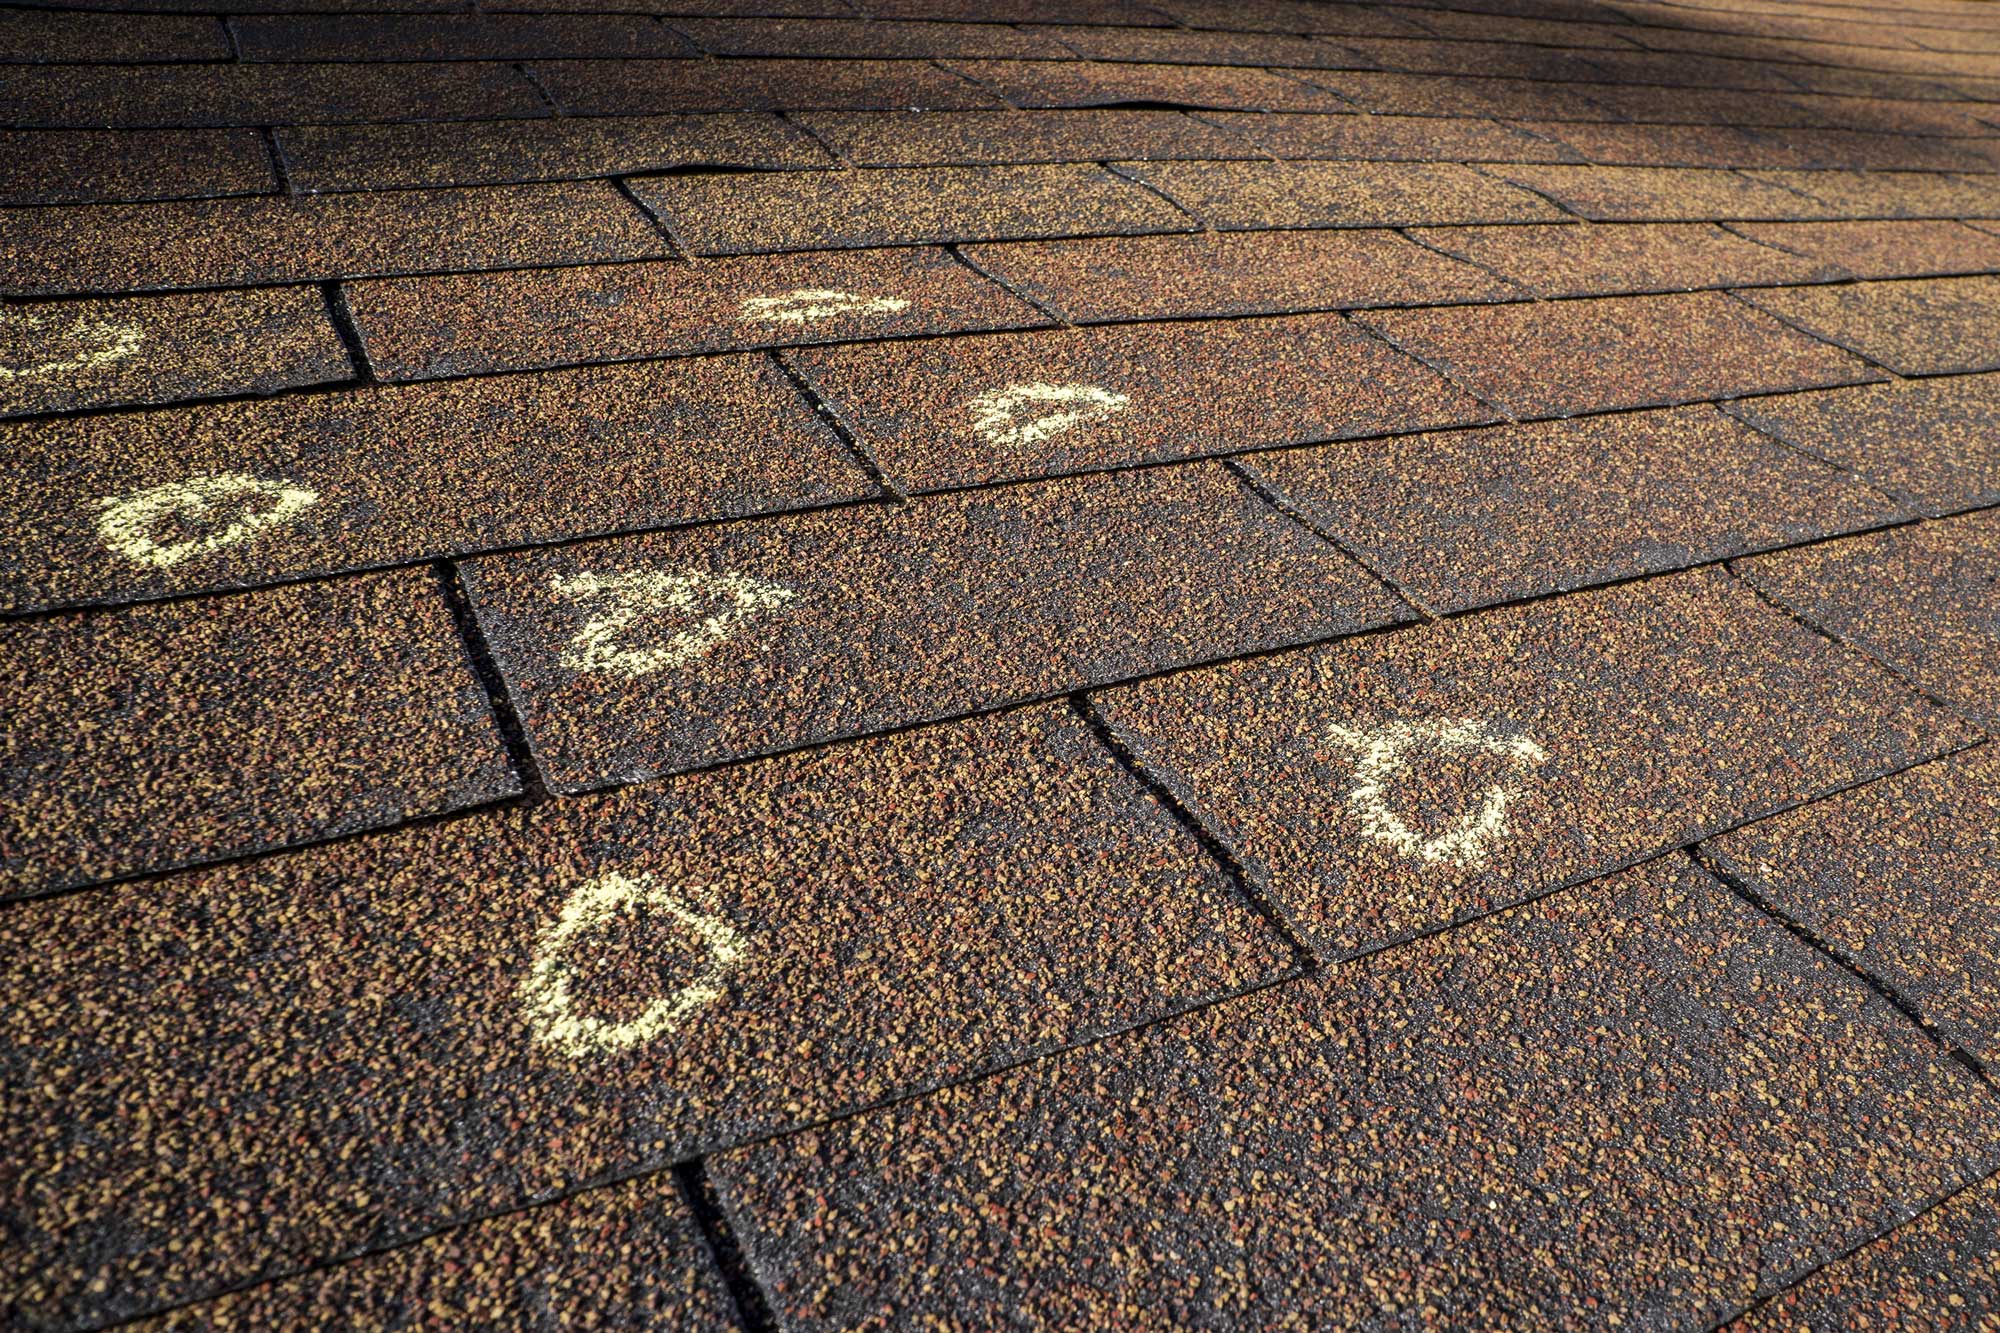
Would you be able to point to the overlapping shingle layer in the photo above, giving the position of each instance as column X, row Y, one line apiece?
column 1053, row 663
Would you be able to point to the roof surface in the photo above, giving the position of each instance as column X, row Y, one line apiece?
column 1042, row 663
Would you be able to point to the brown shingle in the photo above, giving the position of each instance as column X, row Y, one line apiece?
column 867, row 40
column 1389, row 138
column 650, row 87
column 375, row 37
column 1253, row 195
column 944, row 138
column 1510, row 60
column 1893, row 249
column 1358, row 20
column 1664, row 194
column 110, row 166
column 1032, row 83
column 29, row 36
column 1439, row 95
column 1113, row 12
column 1895, row 194
column 1593, row 259
column 1921, row 326
column 1178, row 46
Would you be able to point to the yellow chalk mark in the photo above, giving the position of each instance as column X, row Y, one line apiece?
column 634, row 594
column 1387, row 750
column 997, row 415
column 113, row 342
column 808, row 303
column 127, row 523
column 546, row 990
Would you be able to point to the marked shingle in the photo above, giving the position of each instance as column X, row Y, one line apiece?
column 1238, row 196
column 738, row 640
column 1897, row 249
column 821, row 210
column 1923, row 326
column 867, row 39
column 109, row 166
column 376, row 37
column 405, row 474
column 1390, row 138
column 224, row 242
column 1571, row 1115
column 1593, row 259
column 159, row 96
column 1040, row 83
column 1611, row 352
column 1665, row 194
column 963, row 411
column 1233, row 273
column 423, row 328
column 1936, row 442
column 155, row 349
column 945, row 138
column 649, row 87
column 1920, row 598
column 358, row 1044
column 46, row 37
column 1481, row 516
column 158, row 736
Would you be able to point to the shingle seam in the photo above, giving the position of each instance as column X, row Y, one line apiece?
column 725, row 1249
column 829, row 412
column 1305, row 516
column 1443, row 368
column 344, row 328
column 281, row 168
column 956, row 251
column 534, row 80
column 797, row 120
column 1207, row 116
column 1888, row 371
column 975, row 81
column 1113, row 167
column 500, row 701
column 676, row 243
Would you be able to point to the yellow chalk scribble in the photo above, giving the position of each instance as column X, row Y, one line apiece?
column 546, row 989
column 112, row 342
column 629, row 596
column 804, row 303
column 128, row 523
column 1387, row 750
column 996, row 415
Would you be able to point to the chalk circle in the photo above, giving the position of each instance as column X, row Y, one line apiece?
column 627, row 597
column 546, row 990
column 808, row 303
column 1387, row 750
column 1002, row 416
column 112, row 342
column 128, row 524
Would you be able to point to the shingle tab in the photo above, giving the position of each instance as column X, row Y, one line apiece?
column 401, row 474
column 120, row 725
column 1040, row 83
column 354, row 1046
column 1238, row 196
column 111, row 166
column 1177, row 46
column 1393, row 785
column 867, row 39
column 1437, row 95
column 1890, row 194
column 650, row 87
column 1900, row 249
column 947, row 138
column 1924, row 326
column 1390, row 138
column 376, row 37
column 1605, row 259
column 1665, row 194
column 959, row 412
column 48, row 37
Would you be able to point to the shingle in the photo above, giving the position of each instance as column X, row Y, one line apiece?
column 1664, row 194
column 359, row 1044
column 648, row 87
column 1038, row 83
column 1440, row 95
column 624, row 1256
column 1637, row 1103
column 1920, row 598
column 1611, row 352
column 1508, row 60
column 1233, row 273
column 1871, row 83
column 1123, row 13
column 1591, row 259
column 1355, row 20
column 1178, row 46
column 1470, row 518
column 1238, row 196
column 374, row 157
column 114, row 507
column 1894, row 249
column 161, row 96
column 867, row 39
column 1652, row 104
column 211, row 243
column 375, row 37
column 49, row 37
column 1540, row 31
column 653, row 655
column 961, row 411
column 1920, row 326
column 154, row 349
column 464, row 324
column 1391, row 785
column 1890, row 115
column 1681, row 69
column 1390, row 138
column 160, row 736
column 108, row 166
column 946, row 138
column 1770, row 147
column 1894, row 194
column 1936, row 442
column 722, row 215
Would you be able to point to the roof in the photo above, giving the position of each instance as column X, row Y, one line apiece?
column 1068, row 663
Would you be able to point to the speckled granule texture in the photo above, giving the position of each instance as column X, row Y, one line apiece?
column 1390, row 138
column 1639, row 1103
column 835, row 210
column 889, row 615
column 1590, row 259
column 1633, row 351
column 626, row 1256
column 1179, row 47
column 144, row 96
column 221, row 241
column 407, row 473
column 338, row 1049
column 458, row 324
column 1769, row 147
column 154, row 349
column 1923, row 326
column 41, row 38
column 1430, row 95
column 1247, row 196
column 1472, row 517
column 1109, row 278
column 1648, row 734
column 111, row 166
column 1936, row 442
column 1041, row 83
column 646, row 87
column 1892, row 194
column 373, row 37
column 945, row 138
column 1921, row 598
column 1939, row 1273
column 374, row 157
column 1288, row 16
column 1113, row 12
column 1899, row 877
column 867, row 39
column 1664, row 194
column 1906, row 248
column 160, row 736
